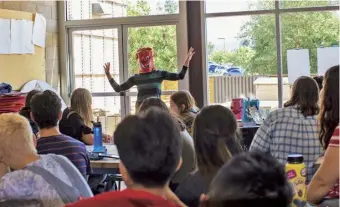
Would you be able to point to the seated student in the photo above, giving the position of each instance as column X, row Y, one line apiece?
column 188, row 151
column 319, row 81
column 26, row 112
column 293, row 129
column 247, row 180
column 149, row 146
column 34, row 180
column 324, row 186
column 46, row 112
column 76, row 120
column 183, row 105
column 215, row 140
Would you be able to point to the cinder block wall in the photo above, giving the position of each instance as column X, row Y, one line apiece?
column 50, row 12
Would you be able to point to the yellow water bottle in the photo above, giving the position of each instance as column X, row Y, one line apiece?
column 296, row 174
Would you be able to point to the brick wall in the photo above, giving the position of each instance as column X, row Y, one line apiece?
column 49, row 10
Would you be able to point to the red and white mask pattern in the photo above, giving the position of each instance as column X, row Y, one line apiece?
column 145, row 58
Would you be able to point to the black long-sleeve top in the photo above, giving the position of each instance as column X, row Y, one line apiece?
column 148, row 84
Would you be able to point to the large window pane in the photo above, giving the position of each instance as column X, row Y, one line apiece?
column 309, row 3
column 309, row 30
column 163, row 41
column 215, row 6
column 242, row 59
column 91, row 49
column 89, row 9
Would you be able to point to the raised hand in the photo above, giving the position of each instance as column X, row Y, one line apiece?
column 107, row 67
column 191, row 52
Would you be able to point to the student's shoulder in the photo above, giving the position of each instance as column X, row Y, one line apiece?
column 72, row 141
column 104, row 199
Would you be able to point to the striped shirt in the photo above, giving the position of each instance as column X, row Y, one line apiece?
column 287, row 131
column 71, row 148
column 148, row 84
column 334, row 142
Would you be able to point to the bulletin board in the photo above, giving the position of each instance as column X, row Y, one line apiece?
column 15, row 69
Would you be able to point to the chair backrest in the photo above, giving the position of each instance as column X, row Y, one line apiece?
column 69, row 194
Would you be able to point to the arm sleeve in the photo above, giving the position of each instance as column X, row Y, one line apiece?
column 334, row 142
column 175, row 76
column 262, row 138
column 124, row 86
column 88, row 163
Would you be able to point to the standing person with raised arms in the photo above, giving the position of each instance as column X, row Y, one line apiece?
column 149, row 80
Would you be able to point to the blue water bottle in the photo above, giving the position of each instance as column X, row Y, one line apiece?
column 98, row 138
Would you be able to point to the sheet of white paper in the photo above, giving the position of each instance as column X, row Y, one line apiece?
column 5, row 36
column 39, row 30
column 17, row 31
column 327, row 57
column 28, row 47
column 298, row 64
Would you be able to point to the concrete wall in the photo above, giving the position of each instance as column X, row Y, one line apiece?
column 49, row 10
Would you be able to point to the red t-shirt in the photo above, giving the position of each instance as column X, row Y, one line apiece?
column 334, row 142
column 126, row 198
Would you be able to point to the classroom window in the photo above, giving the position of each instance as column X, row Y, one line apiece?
column 309, row 3
column 91, row 48
column 163, row 40
column 242, row 59
column 216, row 6
column 309, row 30
column 88, row 9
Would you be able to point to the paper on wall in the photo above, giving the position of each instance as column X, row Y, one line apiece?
column 28, row 47
column 21, row 37
column 17, row 31
column 5, row 36
column 298, row 64
column 327, row 57
column 39, row 30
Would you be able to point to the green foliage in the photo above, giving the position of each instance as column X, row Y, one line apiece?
column 161, row 38
column 240, row 57
column 211, row 48
column 308, row 30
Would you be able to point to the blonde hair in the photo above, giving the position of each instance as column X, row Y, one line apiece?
column 16, row 136
column 81, row 103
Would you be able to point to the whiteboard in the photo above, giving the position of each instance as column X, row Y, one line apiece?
column 298, row 64
column 327, row 57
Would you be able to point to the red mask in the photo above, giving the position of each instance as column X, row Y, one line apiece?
column 145, row 58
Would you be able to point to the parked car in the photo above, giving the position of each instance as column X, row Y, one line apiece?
column 221, row 69
column 212, row 68
column 234, row 71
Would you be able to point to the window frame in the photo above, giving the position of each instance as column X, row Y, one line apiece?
column 66, row 27
column 277, row 12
